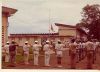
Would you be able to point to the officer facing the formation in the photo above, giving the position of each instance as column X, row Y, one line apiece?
column 47, row 49
column 6, row 50
column 26, row 52
column 12, row 52
column 95, row 46
column 72, row 49
column 89, row 47
column 59, row 49
column 36, row 48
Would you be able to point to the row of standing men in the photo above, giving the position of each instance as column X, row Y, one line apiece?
column 78, row 50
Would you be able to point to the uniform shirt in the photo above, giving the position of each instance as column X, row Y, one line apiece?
column 36, row 48
column 72, row 47
column 12, row 47
column 89, row 45
column 66, row 44
column 59, row 49
column 95, row 45
column 6, row 48
column 26, row 48
column 83, row 45
column 47, row 49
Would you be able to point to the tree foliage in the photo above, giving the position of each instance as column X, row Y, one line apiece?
column 91, row 20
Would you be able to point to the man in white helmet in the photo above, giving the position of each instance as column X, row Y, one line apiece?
column 26, row 52
column 47, row 49
column 90, row 48
column 6, row 50
column 36, row 48
column 59, row 49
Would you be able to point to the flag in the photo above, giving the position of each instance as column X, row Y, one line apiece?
column 52, row 28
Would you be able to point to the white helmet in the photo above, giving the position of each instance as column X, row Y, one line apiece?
column 47, row 41
column 26, row 42
column 36, row 41
column 7, row 42
column 59, row 41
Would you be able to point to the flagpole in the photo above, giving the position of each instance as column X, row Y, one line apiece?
column 49, row 20
column 49, row 23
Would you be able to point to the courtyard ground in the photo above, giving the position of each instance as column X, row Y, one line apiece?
column 65, row 62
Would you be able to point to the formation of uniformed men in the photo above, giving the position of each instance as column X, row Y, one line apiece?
column 78, row 50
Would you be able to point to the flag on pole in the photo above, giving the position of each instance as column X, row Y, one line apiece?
column 52, row 29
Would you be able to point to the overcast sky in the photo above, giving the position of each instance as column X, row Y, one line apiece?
column 34, row 16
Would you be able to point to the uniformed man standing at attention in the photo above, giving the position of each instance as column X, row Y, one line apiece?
column 72, row 49
column 59, row 48
column 36, row 48
column 89, row 47
column 12, row 52
column 47, row 49
column 26, row 52
column 95, row 47
column 6, row 50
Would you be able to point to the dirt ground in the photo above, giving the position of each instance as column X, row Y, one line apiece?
column 65, row 63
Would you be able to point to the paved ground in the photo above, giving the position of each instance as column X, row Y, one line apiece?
column 65, row 63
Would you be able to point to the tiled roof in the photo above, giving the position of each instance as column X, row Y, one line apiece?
column 33, row 34
column 8, row 10
column 59, row 24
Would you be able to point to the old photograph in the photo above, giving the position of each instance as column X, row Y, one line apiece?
column 51, row 34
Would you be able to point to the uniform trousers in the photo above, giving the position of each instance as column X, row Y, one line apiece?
column 26, row 57
column 73, row 60
column 94, row 55
column 36, row 56
column 7, row 57
column 12, row 57
column 59, row 57
column 89, row 59
column 47, row 59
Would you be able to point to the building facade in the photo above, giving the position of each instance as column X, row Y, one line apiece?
column 6, row 12
column 65, row 32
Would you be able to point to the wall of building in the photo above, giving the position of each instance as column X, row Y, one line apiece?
column 40, row 39
column 4, row 28
column 67, row 31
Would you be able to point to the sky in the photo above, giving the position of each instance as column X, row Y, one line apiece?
column 36, row 16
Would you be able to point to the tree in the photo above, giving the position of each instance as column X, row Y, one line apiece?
column 91, row 20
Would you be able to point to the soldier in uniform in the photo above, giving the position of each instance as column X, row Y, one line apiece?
column 47, row 49
column 83, row 49
column 89, row 47
column 36, row 48
column 78, row 50
column 66, row 43
column 12, row 53
column 95, row 46
column 72, row 49
column 59, row 49
column 6, row 50
column 26, row 52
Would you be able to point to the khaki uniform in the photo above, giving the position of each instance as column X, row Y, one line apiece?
column 6, row 49
column 12, row 53
column 83, row 50
column 47, row 53
column 79, row 51
column 72, row 48
column 59, row 52
column 26, row 53
column 95, row 46
column 89, row 46
column 36, row 49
